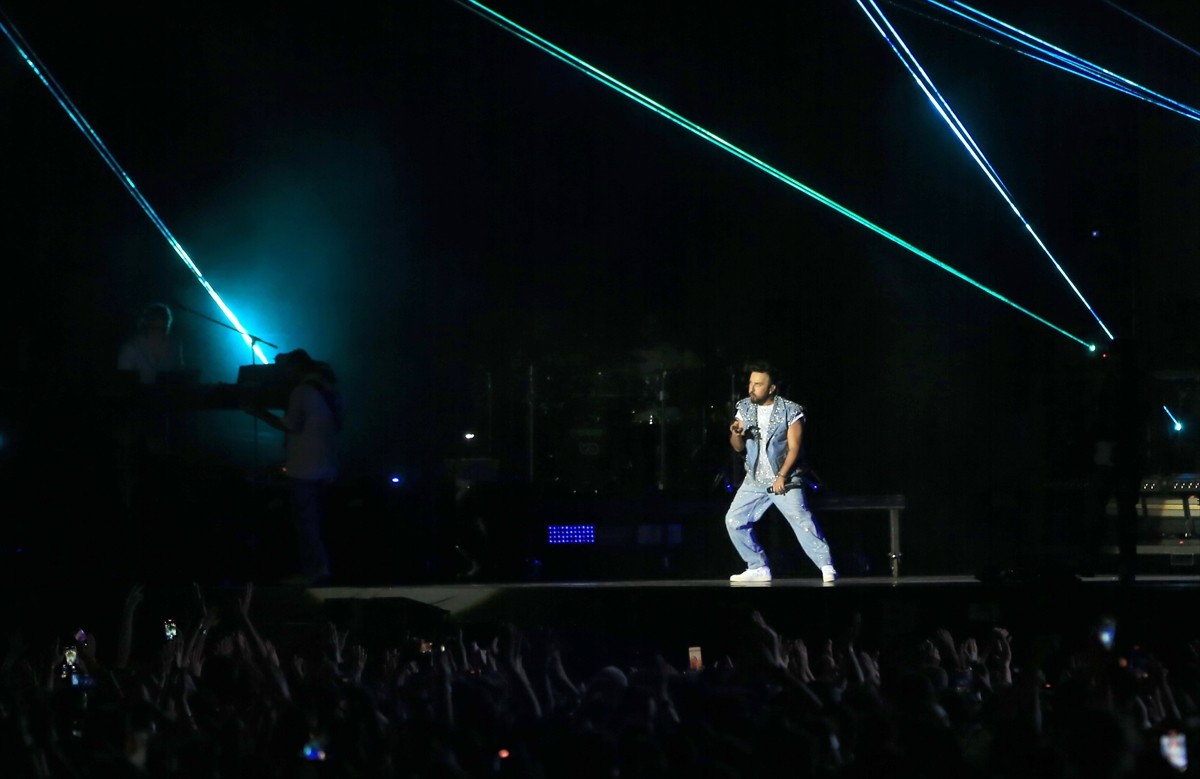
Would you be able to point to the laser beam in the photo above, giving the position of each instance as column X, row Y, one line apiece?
column 1151, row 27
column 942, row 106
column 570, row 59
column 25, row 51
column 1064, row 59
column 1074, row 70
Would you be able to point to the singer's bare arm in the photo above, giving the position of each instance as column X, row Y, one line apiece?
column 737, row 436
column 793, row 436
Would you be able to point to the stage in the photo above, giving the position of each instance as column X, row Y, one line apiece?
column 605, row 620
column 628, row 622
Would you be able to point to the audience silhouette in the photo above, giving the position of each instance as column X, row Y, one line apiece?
column 208, row 693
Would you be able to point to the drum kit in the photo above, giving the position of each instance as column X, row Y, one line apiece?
column 651, row 426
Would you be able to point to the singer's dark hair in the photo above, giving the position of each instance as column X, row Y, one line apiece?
column 762, row 366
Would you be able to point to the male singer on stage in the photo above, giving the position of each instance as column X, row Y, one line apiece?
column 767, row 427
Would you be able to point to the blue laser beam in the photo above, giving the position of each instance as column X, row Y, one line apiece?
column 1151, row 27
column 1069, row 62
column 570, row 59
column 25, row 51
column 1073, row 62
column 942, row 106
column 1177, row 424
column 1074, row 70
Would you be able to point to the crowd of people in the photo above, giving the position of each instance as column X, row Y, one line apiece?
column 221, row 691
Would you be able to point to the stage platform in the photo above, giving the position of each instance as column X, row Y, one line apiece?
column 628, row 622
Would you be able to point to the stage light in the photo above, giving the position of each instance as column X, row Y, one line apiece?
column 940, row 104
column 571, row 534
column 1175, row 422
column 31, row 59
column 595, row 73
column 469, row 436
column 397, row 479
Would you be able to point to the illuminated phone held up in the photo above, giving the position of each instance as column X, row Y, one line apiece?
column 1106, row 633
column 1172, row 746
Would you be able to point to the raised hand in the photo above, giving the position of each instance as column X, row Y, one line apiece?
column 798, row 660
column 358, row 662
column 870, row 665
column 337, row 642
column 391, row 663
column 203, row 608
column 968, row 653
column 243, row 601
column 1003, row 651
column 479, row 658
column 929, row 654
column 510, row 648
column 134, row 598
column 944, row 641
column 768, row 647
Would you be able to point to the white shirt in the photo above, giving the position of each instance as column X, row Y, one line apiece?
column 312, row 438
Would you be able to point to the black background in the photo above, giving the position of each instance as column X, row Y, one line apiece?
column 441, row 210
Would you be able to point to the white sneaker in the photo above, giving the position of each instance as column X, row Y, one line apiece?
column 760, row 574
column 828, row 574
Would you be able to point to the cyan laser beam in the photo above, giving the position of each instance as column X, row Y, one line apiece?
column 570, row 59
column 879, row 20
column 1069, row 62
column 25, row 51
column 1174, row 422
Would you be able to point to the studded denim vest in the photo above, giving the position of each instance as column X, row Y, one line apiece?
column 775, row 435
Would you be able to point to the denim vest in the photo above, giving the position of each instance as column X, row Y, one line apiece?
column 775, row 435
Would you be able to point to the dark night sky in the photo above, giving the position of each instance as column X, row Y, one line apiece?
column 424, row 200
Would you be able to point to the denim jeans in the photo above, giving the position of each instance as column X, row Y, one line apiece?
column 751, row 502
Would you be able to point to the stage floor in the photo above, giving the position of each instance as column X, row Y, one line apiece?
column 630, row 621
column 637, row 619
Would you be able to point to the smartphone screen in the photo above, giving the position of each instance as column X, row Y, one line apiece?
column 695, row 659
column 1173, row 746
